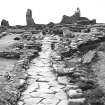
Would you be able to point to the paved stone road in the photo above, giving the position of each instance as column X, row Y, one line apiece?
column 43, row 89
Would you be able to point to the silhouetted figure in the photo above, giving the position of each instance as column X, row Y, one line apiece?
column 78, row 13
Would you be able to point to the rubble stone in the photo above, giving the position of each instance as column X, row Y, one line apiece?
column 79, row 101
column 62, row 80
column 87, row 58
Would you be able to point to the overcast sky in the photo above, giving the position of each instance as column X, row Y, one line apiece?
column 45, row 11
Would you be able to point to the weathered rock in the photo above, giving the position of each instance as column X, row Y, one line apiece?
column 61, row 96
column 79, row 101
column 22, row 82
column 29, row 19
column 4, row 23
column 95, row 96
column 77, row 75
column 74, row 92
column 53, row 101
column 50, row 25
column 68, row 20
column 9, row 54
column 67, row 32
column 63, row 102
column 87, row 58
column 71, row 86
column 63, row 71
column 72, row 19
column 62, row 80
column 86, row 85
column 32, row 101
column 76, row 18
column 20, row 103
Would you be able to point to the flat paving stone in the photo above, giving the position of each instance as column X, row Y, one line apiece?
column 25, row 96
column 74, row 92
column 61, row 95
column 55, row 84
column 52, row 101
column 63, row 102
column 36, row 94
column 79, row 100
column 62, row 80
column 72, row 86
column 44, row 90
column 41, row 104
column 32, row 88
column 31, row 80
column 42, row 95
column 32, row 101
column 20, row 103
column 43, row 78
column 44, row 85
column 41, row 65
column 56, row 89
column 48, row 96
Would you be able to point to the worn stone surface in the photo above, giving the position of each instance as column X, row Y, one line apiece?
column 42, row 85
column 4, row 23
column 29, row 19
column 63, row 80
column 87, row 58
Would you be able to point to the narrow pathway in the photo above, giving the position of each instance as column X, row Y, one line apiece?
column 43, row 89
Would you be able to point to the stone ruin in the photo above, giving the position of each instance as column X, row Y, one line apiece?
column 74, row 19
column 29, row 19
column 69, row 69
column 77, row 19
column 4, row 23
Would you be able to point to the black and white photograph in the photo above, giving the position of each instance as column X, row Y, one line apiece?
column 52, row 52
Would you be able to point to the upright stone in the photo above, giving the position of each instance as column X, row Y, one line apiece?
column 29, row 19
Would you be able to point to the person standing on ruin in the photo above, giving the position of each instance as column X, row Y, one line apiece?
column 77, row 13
